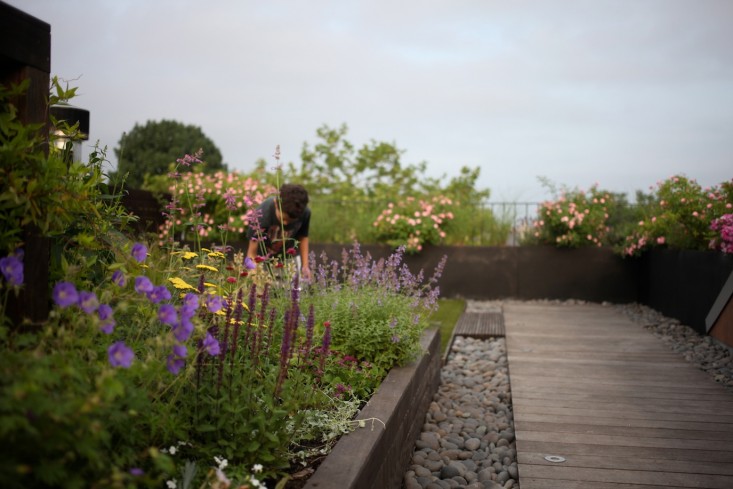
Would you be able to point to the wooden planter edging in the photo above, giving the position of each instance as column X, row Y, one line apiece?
column 376, row 455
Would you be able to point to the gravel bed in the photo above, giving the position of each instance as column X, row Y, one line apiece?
column 468, row 435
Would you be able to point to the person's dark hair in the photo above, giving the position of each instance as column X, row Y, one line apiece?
column 293, row 200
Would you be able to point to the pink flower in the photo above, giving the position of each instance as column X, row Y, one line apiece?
column 660, row 240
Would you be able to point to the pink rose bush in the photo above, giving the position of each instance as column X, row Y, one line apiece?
column 574, row 220
column 414, row 222
column 681, row 214
column 211, row 206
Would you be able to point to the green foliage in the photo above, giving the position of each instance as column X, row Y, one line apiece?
column 446, row 317
column 153, row 148
column 678, row 214
column 377, row 310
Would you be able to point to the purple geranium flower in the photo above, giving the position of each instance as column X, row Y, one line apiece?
column 214, row 303
column 167, row 314
column 120, row 355
column 143, row 285
column 105, row 315
column 65, row 294
column 139, row 252
column 182, row 331
column 12, row 269
column 191, row 300
column 88, row 302
column 105, row 312
column 249, row 263
column 158, row 294
column 211, row 345
column 118, row 277
column 175, row 360
column 174, row 364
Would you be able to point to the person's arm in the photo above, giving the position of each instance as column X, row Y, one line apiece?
column 252, row 249
column 305, row 270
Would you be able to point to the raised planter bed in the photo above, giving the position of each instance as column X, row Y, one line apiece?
column 376, row 455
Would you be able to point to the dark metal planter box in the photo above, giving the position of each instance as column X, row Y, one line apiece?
column 376, row 455
column 683, row 284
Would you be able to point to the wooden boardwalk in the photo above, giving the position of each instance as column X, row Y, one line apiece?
column 596, row 390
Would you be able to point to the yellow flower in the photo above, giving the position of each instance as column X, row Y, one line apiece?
column 207, row 267
column 217, row 254
column 209, row 284
column 186, row 255
column 179, row 283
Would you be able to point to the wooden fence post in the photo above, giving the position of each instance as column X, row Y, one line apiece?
column 25, row 53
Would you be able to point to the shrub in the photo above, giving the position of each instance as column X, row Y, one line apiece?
column 575, row 219
column 414, row 222
column 211, row 207
column 680, row 214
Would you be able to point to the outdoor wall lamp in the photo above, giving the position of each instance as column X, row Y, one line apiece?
column 70, row 116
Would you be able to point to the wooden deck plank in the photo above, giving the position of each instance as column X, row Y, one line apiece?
column 622, row 476
column 626, row 422
column 556, row 426
column 624, row 410
column 632, row 463
column 559, row 447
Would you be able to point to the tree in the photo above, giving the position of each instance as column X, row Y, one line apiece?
column 151, row 150
column 335, row 167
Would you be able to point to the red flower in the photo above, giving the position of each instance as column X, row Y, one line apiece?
column 260, row 259
column 231, row 280
column 244, row 274
column 291, row 251
column 327, row 324
column 279, row 265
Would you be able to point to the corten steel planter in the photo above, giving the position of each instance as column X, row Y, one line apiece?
column 683, row 284
column 377, row 454
column 522, row 272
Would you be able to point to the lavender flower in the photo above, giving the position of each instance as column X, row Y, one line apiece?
column 136, row 471
column 88, row 302
column 230, row 200
column 11, row 267
column 211, row 345
column 120, row 355
column 143, row 285
column 118, row 277
column 65, row 294
column 167, row 314
column 158, row 294
column 139, row 252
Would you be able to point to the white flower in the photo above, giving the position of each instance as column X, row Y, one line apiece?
column 221, row 462
column 257, row 468
column 172, row 450
column 172, row 484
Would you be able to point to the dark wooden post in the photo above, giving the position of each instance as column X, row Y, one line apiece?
column 25, row 53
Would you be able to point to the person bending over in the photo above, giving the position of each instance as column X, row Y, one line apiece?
column 282, row 225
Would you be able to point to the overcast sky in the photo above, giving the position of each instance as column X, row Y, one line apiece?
column 621, row 92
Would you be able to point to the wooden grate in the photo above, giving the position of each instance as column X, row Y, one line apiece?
column 480, row 324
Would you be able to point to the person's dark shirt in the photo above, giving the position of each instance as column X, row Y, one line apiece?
column 270, row 229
